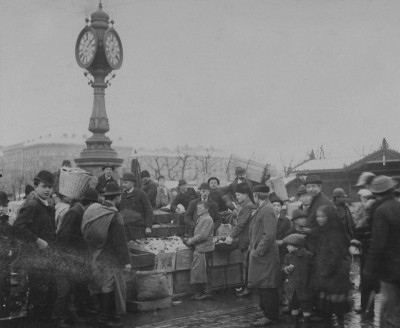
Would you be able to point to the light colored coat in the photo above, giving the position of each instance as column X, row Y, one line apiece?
column 203, row 234
column 264, row 266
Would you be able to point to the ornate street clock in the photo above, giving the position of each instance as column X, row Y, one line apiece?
column 86, row 47
column 98, row 51
column 113, row 48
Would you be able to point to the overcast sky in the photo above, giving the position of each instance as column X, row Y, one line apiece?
column 269, row 78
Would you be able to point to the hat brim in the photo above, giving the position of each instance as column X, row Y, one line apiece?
column 392, row 185
column 110, row 193
column 106, row 166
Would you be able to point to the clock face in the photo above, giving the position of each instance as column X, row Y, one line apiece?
column 113, row 49
column 86, row 47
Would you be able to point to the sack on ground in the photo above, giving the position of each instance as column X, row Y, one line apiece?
column 152, row 285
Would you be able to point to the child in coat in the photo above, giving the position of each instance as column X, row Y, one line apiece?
column 297, row 267
column 332, row 264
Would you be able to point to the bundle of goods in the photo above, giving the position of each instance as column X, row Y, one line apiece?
column 159, row 245
column 13, row 208
column 73, row 181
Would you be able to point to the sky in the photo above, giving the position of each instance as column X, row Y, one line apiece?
column 267, row 79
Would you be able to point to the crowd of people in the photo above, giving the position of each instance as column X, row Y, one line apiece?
column 75, row 251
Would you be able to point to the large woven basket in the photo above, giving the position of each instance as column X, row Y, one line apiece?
column 73, row 181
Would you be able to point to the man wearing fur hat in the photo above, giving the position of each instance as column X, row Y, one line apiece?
column 35, row 227
column 264, row 266
column 383, row 261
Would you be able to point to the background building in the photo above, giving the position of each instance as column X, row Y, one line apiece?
column 22, row 161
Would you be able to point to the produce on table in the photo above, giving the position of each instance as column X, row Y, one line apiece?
column 159, row 245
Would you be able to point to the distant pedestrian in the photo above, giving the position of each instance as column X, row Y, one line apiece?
column 344, row 214
column 65, row 164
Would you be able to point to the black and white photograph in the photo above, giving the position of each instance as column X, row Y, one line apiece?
column 200, row 163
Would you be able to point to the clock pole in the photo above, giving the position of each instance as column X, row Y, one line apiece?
column 94, row 53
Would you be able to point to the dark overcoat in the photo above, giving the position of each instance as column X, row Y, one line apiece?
column 332, row 257
column 299, row 279
column 264, row 266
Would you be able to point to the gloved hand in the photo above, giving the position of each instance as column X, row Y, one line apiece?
column 42, row 244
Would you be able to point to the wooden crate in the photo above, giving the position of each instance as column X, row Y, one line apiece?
column 181, row 282
column 235, row 257
column 225, row 276
column 141, row 259
column 220, row 258
column 162, row 217
column 136, row 306
column 183, row 260
column 166, row 261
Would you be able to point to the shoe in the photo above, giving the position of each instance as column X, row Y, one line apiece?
column 285, row 310
column 264, row 322
column 258, row 315
column 196, row 296
column 244, row 292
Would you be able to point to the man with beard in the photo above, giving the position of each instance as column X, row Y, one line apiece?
column 135, row 209
column 103, row 232
column 35, row 227
column 72, row 274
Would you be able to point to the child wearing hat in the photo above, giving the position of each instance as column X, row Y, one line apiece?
column 297, row 267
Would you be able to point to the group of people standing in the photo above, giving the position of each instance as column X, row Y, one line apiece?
column 300, row 265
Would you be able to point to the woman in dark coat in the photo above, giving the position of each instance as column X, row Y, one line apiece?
column 332, row 264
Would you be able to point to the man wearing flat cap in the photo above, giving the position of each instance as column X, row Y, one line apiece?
column 313, row 185
column 135, row 209
column 264, row 265
column 103, row 232
column 149, row 187
column 191, row 215
column 72, row 250
column 383, row 259
column 105, row 178
column 35, row 227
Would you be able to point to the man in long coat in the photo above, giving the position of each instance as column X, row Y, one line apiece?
column 264, row 266
column 35, row 227
column 103, row 232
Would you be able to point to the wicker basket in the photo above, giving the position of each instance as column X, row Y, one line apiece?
column 73, row 182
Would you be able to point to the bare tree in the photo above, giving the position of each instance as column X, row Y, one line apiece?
column 157, row 164
column 185, row 158
column 172, row 166
column 205, row 163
